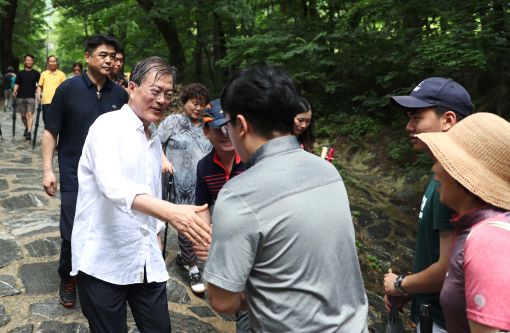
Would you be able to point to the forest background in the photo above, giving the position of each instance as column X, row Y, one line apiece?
column 347, row 56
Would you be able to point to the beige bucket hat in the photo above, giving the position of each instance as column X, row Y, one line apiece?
column 476, row 153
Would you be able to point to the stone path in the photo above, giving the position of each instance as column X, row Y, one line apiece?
column 29, row 250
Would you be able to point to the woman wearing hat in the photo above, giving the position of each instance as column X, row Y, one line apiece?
column 473, row 169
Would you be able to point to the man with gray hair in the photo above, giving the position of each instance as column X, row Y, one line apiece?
column 115, row 251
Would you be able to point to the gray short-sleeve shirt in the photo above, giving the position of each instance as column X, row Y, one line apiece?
column 282, row 232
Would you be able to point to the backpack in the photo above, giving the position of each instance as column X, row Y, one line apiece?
column 9, row 80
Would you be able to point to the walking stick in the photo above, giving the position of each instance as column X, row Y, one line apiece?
column 39, row 108
column 168, row 194
column 13, row 122
column 1, row 137
column 394, row 323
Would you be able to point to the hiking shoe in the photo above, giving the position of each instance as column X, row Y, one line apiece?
column 28, row 136
column 195, row 278
column 196, row 283
column 67, row 292
column 179, row 260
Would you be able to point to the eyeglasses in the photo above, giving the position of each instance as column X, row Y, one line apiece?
column 224, row 128
column 168, row 96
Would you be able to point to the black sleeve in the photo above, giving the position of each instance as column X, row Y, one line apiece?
column 56, row 114
column 37, row 77
column 121, row 95
column 125, row 96
column 202, row 195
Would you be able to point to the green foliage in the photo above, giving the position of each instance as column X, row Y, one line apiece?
column 400, row 151
column 373, row 262
column 30, row 36
column 345, row 55
column 351, row 126
column 2, row 4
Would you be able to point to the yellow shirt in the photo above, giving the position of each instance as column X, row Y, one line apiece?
column 49, row 82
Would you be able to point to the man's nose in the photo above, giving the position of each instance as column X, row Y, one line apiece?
column 409, row 127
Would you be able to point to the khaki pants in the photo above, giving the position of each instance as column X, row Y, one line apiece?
column 24, row 105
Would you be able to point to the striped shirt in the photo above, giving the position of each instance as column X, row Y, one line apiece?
column 212, row 175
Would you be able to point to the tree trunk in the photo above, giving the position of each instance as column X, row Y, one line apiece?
column 168, row 29
column 199, row 68
column 219, row 44
column 6, row 33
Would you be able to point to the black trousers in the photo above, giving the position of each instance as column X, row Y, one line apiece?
column 67, row 211
column 105, row 305
column 45, row 108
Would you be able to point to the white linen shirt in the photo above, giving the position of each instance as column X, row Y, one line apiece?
column 110, row 241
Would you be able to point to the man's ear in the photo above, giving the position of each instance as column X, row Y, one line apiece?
column 131, row 87
column 244, row 125
column 87, row 56
column 448, row 120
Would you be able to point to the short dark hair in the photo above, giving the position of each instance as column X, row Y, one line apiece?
column 439, row 111
column 266, row 95
column 79, row 65
column 95, row 41
column 152, row 64
column 51, row 56
column 123, row 82
column 121, row 51
column 194, row 90
column 29, row 55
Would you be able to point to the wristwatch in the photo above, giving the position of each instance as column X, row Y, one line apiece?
column 398, row 284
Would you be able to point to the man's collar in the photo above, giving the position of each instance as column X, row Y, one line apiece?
column 107, row 83
column 272, row 147
column 135, row 122
column 216, row 159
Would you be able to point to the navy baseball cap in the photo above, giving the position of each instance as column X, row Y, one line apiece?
column 437, row 91
column 213, row 114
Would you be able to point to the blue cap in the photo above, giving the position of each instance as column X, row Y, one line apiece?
column 437, row 91
column 213, row 114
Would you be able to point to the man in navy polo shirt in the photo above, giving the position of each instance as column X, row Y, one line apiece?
column 77, row 103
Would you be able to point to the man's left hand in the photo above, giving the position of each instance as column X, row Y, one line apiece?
column 389, row 285
column 185, row 220
column 167, row 166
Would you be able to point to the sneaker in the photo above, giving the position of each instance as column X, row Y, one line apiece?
column 28, row 136
column 179, row 260
column 196, row 283
column 67, row 292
